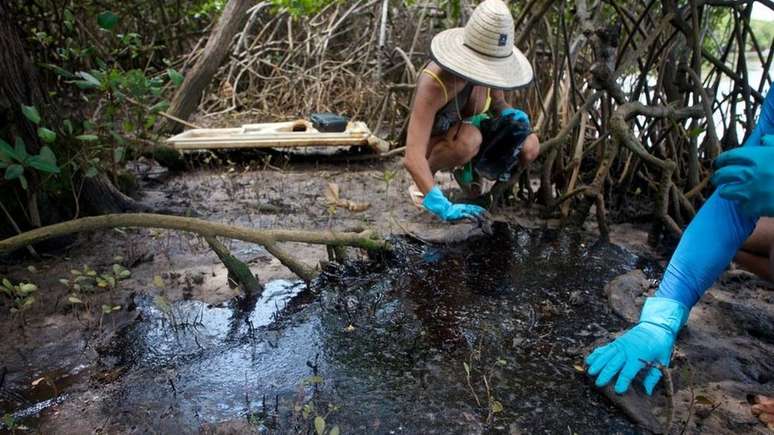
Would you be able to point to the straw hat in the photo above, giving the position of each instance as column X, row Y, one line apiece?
column 483, row 52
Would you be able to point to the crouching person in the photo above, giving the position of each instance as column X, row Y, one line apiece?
column 461, row 88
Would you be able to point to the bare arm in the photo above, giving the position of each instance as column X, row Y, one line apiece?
column 427, row 101
column 498, row 101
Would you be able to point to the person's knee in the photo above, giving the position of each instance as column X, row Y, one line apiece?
column 531, row 149
column 468, row 142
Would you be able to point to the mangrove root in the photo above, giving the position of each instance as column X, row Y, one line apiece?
column 367, row 240
column 237, row 270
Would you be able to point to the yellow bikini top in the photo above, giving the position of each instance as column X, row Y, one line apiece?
column 435, row 77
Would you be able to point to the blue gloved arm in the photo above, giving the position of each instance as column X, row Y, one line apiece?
column 711, row 240
column 707, row 246
column 765, row 124
column 436, row 202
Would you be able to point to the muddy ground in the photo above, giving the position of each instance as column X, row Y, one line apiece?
column 377, row 346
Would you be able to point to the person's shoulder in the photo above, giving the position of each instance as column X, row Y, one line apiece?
column 429, row 91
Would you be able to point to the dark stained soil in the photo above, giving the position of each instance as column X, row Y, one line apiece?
column 485, row 335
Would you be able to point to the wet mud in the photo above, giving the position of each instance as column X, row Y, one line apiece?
column 485, row 334
column 480, row 336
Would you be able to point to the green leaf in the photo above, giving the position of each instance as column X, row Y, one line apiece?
column 118, row 154
column 13, row 172
column 496, row 407
column 47, row 155
column 87, row 137
column 107, row 20
column 28, row 288
column 46, row 135
column 59, row 71
column 31, row 113
column 467, row 368
column 42, row 165
column 6, row 152
column 319, row 425
column 694, row 132
column 128, row 126
column 150, row 120
column 88, row 82
column 68, row 126
column 159, row 107
column 335, row 430
column 23, row 181
column 175, row 77
column 117, row 137
column 91, row 172
column 21, row 149
column 69, row 19
column 74, row 300
column 29, row 300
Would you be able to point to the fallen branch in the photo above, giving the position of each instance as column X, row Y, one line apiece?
column 366, row 239
column 302, row 270
column 268, row 238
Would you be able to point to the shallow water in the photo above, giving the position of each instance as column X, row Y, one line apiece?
column 481, row 336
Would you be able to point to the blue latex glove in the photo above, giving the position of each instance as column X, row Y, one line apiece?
column 650, row 341
column 516, row 114
column 746, row 175
column 436, row 203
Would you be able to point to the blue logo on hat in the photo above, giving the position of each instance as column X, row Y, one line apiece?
column 503, row 40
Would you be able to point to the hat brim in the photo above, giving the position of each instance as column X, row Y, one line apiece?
column 448, row 50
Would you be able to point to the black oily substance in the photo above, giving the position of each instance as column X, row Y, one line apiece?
column 482, row 336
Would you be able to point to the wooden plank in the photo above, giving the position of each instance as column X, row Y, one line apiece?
column 299, row 133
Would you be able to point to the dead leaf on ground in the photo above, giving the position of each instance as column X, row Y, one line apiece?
column 333, row 198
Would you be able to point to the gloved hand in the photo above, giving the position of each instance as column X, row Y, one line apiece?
column 746, row 175
column 651, row 340
column 515, row 114
column 443, row 208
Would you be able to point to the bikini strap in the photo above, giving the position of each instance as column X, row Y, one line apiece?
column 437, row 79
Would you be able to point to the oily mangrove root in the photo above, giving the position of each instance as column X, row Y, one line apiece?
column 269, row 239
column 238, row 271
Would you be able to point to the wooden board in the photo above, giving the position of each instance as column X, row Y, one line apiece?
column 299, row 133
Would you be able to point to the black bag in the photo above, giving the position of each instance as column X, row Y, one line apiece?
column 503, row 139
column 329, row 122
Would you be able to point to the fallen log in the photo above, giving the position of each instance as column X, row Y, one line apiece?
column 367, row 239
column 269, row 239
